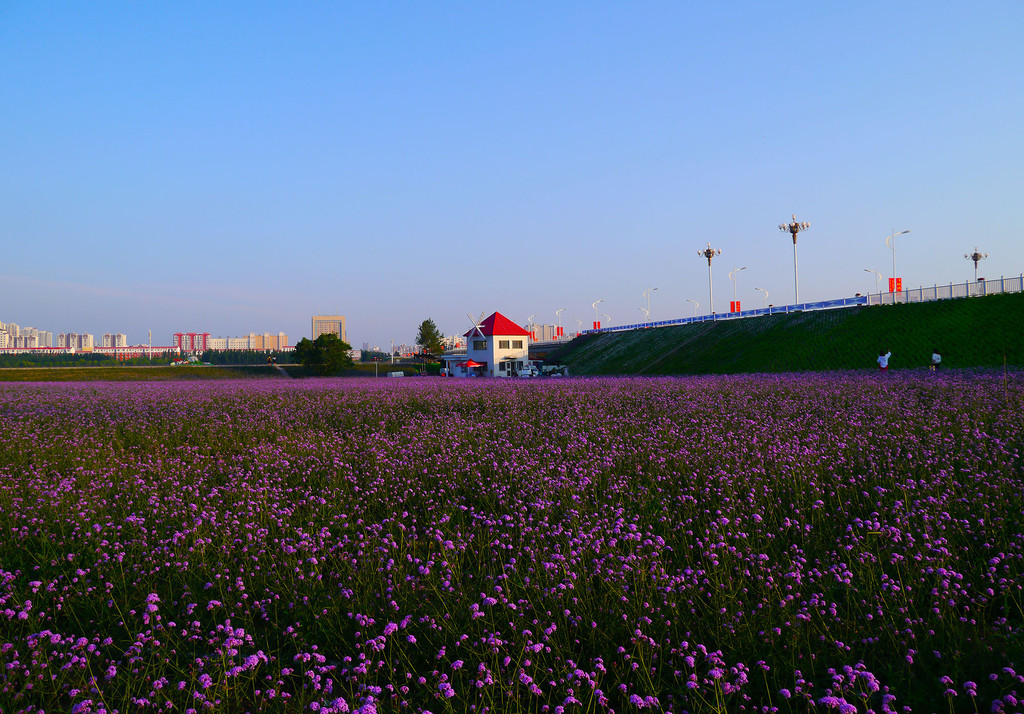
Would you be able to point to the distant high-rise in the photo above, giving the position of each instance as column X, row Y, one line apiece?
column 118, row 339
column 334, row 324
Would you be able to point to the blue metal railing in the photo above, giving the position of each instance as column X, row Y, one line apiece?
column 802, row 307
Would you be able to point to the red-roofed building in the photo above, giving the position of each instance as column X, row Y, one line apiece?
column 498, row 346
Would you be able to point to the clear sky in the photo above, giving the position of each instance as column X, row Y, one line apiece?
column 234, row 167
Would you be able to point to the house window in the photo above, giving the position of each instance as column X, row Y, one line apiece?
column 517, row 344
column 479, row 344
column 502, row 344
column 501, row 367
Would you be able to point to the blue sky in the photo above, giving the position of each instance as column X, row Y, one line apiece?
column 227, row 167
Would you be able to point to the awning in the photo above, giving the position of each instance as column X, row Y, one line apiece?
column 470, row 363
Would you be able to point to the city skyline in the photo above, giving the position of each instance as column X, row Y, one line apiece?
column 233, row 169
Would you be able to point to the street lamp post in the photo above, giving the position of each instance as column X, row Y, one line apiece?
column 878, row 277
column 890, row 241
column 762, row 290
column 529, row 321
column 734, row 281
column 646, row 312
column 794, row 228
column 976, row 257
column 695, row 305
column 647, row 296
column 558, row 314
column 608, row 317
column 710, row 253
column 597, row 314
column 579, row 325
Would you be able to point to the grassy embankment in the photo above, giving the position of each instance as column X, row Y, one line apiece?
column 975, row 332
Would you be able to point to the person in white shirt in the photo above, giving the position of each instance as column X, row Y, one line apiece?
column 936, row 359
column 883, row 360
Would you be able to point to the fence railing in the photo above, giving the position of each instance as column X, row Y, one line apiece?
column 1014, row 284
column 982, row 287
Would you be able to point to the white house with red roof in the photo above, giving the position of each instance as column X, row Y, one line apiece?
column 497, row 347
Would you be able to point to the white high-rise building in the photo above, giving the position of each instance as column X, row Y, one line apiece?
column 118, row 339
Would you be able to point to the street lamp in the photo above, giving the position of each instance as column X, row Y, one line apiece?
column 607, row 317
column 529, row 321
column 794, row 228
column 710, row 253
column 695, row 305
column 597, row 314
column 976, row 256
column 762, row 290
column 579, row 325
column 646, row 312
column 647, row 296
column 890, row 241
column 878, row 277
column 558, row 314
column 734, row 281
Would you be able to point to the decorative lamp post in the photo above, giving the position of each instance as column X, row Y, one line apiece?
column 976, row 257
column 890, row 241
column 597, row 314
column 710, row 253
column 762, row 290
column 734, row 281
column 646, row 312
column 794, row 228
column 878, row 278
column 608, row 317
column 529, row 321
column 579, row 325
column 647, row 296
column 695, row 305
column 558, row 314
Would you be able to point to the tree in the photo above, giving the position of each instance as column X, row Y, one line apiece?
column 327, row 354
column 429, row 338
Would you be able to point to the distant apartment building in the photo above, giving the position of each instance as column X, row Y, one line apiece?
column 453, row 342
column 543, row 333
column 191, row 342
column 15, row 337
column 267, row 341
column 83, row 342
column 115, row 340
column 253, row 341
column 324, row 324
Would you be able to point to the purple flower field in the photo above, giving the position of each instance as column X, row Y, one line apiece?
column 755, row 543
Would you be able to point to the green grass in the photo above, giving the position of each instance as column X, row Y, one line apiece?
column 974, row 332
column 166, row 373
column 135, row 374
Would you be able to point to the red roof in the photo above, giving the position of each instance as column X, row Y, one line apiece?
column 498, row 324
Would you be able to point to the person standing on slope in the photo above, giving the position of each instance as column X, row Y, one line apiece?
column 883, row 360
